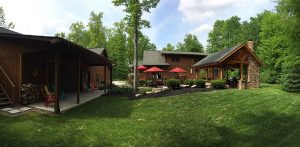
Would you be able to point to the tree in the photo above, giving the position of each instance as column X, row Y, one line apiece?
column 78, row 34
column 144, row 45
column 3, row 23
column 232, row 32
column 225, row 34
column 169, row 47
column 96, row 31
column 190, row 44
column 116, row 46
column 272, row 47
column 215, row 37
column 289, row 13
column 61, row 35
column 134, row 10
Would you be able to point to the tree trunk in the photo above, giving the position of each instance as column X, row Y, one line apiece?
column 135, row 61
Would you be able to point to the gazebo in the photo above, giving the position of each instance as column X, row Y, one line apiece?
column 240, row 57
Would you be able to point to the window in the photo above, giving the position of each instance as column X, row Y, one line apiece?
column 175, row 59
column 216, row 72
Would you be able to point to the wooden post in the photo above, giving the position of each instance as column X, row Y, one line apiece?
column 221, row 73
column 206, row 73
column 20, row 75
column 105, row 79
column 241, row 71
column 227, row 73
column 57, row 80
column 110, row 86
column 78, row 80
column 213, row 71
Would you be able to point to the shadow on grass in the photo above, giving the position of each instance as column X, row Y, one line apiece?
column 265, row 129
column 110, row 107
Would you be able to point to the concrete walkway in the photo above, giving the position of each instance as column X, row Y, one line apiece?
column 69, row 101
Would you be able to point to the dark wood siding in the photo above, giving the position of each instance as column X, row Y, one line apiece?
column 10, row 61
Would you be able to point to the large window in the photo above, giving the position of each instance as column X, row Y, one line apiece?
column 216, row 72
column 175, row 59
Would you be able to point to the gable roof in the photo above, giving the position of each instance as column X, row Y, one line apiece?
column 7, row 31
column 153, row 58
column 157, row 58
column 100, row 51
column 56, row 40
column 184, row 53
column 220, row 56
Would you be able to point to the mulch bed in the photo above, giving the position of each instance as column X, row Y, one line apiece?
column 165, row 93
column 171, row 92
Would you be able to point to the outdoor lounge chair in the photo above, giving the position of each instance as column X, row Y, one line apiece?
column 85, row 87
column 49, row 97
column 93, row 87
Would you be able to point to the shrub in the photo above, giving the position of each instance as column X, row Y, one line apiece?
column 143, row 91
column 291, row 75
column 200, row 83
column 121, row 90
column 218, row 84
column 190, row 83
column 142, row 82
column 173, row 83
column 149, row 82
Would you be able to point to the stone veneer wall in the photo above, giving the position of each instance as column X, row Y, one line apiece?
column 253, row 74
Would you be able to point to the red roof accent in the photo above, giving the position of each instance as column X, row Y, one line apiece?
column 177, row 69
column 154, row 69
column 142, row 67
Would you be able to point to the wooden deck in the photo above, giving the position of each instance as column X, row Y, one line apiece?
column 69, row 101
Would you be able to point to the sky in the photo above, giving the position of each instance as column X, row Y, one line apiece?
column 170, row 20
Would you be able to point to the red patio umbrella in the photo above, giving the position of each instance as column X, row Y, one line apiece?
column 142, row 67
column 154, row 69
column 177, row 70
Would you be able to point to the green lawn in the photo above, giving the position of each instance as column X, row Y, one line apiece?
column 257, row 117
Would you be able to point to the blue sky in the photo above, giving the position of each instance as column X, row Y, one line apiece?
column 170, row 21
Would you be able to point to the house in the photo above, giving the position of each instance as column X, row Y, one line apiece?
column 241, row 57
column 99, row 74
column 51, row 61
column 168, row 60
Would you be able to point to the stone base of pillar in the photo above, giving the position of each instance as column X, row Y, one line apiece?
column 241, row 84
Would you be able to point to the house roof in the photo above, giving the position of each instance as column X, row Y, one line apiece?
column 184, row 53
column 55, row 40
column 7, row 31
column 217, row 56
column 221, row 55
column 153, row 58
column 100, row 51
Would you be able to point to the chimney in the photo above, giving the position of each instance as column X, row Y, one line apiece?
column 250, row 45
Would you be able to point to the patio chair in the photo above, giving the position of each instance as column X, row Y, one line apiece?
column 93, row 87
column 85, row 87
column 47, row 90
column 48, row 97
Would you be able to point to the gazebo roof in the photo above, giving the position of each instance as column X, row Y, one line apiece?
column 220, row 56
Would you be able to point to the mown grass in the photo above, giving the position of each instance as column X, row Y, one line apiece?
column 258, row 117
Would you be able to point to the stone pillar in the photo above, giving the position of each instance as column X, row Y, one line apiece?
column 253, row 74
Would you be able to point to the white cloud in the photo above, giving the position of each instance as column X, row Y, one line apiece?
column 202, row 28
column 199, row 10
column 203, row 13
column 46, row 17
